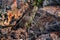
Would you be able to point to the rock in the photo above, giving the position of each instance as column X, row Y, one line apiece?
column 51, row 2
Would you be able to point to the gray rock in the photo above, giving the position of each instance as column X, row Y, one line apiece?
column 51, row 2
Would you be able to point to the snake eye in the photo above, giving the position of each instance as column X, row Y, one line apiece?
column 8, row 8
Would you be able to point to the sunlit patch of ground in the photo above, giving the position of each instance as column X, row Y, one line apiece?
column 14, row 13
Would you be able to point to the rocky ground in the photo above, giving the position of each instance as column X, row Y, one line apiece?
column 44, row 26
column 30, row 23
